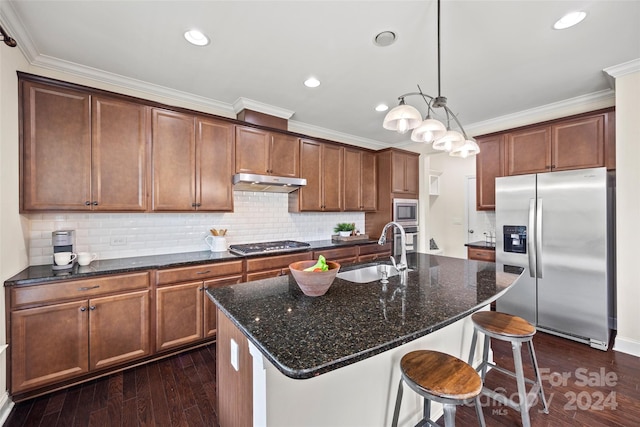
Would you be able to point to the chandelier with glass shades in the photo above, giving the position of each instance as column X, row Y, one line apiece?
column 430, row 130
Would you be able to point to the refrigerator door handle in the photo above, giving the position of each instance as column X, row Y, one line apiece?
column 539, row 239
column 531, row 250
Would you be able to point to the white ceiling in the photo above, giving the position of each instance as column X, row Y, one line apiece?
column 498, row 57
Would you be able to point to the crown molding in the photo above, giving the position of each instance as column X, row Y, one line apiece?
column 250, row 104
column 580, row 104
column 320, row 132
column 623, row 69
column 13, row 24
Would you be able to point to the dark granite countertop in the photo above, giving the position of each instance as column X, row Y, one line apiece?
column 481, row 245
column 39, row 274
column 306, row 336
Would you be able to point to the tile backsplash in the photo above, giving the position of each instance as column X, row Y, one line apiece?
column 257, row 217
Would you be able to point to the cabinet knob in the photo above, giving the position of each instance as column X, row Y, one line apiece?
column 93, row 307
column 83, row 308
column 87, row 203
column 193, row 205
column 95, row 203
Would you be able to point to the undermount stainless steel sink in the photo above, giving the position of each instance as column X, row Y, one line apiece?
column 369, row 273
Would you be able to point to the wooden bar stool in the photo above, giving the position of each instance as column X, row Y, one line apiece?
column 515, row 330
column 442, row 378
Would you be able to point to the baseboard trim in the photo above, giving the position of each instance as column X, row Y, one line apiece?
column 627, row 345
column 6, row 405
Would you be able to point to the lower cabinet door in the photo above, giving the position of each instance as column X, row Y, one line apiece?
column 48, row 344
column 178, row 314
column 119, row 328
column 210, row 310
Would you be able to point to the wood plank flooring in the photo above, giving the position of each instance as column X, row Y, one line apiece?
column 181, row 391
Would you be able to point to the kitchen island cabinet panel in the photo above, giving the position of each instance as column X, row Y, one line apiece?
column 56, row 148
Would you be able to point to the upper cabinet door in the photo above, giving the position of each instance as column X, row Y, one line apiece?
column 119, row 159
column 310, row 196
column 332, row 170
column 173, row 157
column 529, row 151
column 359, row 180
column 284, row 155
column 214, row 157
column 489, row 166
column 579, row 143
column 405, row 173
column 369, row 182
column 252, row 150
column 56, row 148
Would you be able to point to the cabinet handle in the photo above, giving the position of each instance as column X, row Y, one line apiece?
column 95, row 203
column 193, row 205
column 93, row 307
column 198, row 204
column 83, row 308
column 86, row 288
column 87, row 203
column 203, row 272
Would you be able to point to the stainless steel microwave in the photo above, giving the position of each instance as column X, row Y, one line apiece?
column 405, row 211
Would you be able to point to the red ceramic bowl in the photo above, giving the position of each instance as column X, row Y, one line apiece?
column 313, row 283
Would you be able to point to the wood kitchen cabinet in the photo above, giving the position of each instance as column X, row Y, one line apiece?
column 192, row 162
column 266, row 153
column 343, row 256
column 321, row 165
column 489, row 166
column 184, row 313
column 479, row 254
column 64, row 330
column 273, row 266
column 374, row 252
column 359, row 180
column 405, row 168
column 577, row 142
column 81, row 151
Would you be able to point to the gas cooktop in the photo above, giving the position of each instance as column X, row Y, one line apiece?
column 268, row 247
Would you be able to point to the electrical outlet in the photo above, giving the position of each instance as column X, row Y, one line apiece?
column 235, row 355
column 118, row 240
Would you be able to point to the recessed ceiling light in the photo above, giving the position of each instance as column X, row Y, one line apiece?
column 312, row 82
column 196, row 37
column 569, row 20
column 382, row 107
column 385, row 38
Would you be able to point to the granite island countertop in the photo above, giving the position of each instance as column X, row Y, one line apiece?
column 308, row 336
column 481, row 245
column 39, row 274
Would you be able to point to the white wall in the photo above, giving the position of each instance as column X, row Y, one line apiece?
column 13, row 247
column 628, row 211
column 446, row 212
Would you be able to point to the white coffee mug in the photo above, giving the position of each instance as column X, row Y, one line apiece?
column 64, row 258
column 85, row 258
column 216, row 243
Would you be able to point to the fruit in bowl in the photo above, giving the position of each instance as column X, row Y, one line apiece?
column 314, row 277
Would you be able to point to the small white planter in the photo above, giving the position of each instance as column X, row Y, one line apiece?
column 344, row 233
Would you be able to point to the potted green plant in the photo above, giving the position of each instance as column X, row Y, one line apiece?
column 344, row 229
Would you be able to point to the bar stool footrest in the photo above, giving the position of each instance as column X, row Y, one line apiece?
column 504, row 371
column 532, row 395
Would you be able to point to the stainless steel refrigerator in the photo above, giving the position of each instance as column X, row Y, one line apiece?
column 560, row 227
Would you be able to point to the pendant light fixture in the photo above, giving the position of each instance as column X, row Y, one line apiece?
column 405, row 117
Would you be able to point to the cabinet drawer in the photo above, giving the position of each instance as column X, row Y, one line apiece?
column 374, row 248
column 86, row 288
column 274, row 262
column 481, row 254
column 338, row 253
column 198, row 272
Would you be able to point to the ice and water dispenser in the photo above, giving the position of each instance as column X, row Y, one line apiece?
column 515, row 238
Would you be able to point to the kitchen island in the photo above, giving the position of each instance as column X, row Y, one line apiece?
column 334, row 359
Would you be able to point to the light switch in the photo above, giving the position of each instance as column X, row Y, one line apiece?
column 234, row 355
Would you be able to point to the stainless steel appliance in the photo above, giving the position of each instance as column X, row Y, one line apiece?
column 63, row 241
column 560, row 227
column 266, row 183
column 405, row 213
column 268, row 247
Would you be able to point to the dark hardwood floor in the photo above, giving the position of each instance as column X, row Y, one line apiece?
column 584, row 387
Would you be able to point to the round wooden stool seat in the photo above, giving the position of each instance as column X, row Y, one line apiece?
column 503, row 324
column 440, row 375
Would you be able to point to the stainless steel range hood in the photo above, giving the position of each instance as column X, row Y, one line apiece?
column 267, row 183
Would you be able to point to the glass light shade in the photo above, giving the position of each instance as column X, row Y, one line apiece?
column 468, row 148
column 402, row 118
column 428, row 131
column 450, row 141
